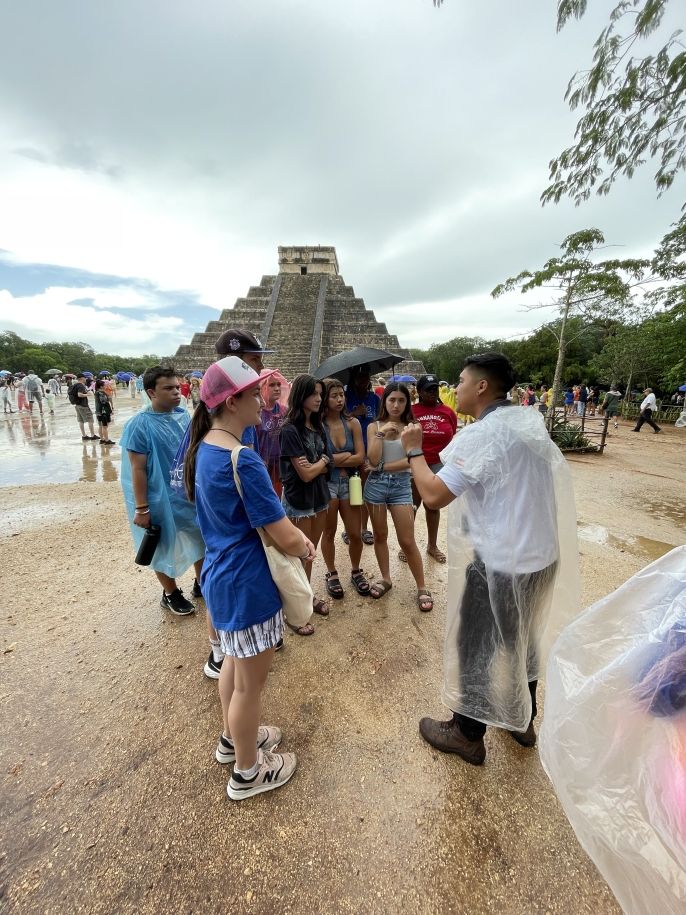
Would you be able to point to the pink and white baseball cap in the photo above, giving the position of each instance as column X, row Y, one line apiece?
column 226, row 378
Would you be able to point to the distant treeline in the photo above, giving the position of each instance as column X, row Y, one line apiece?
column 652, row 353
column 19, row 355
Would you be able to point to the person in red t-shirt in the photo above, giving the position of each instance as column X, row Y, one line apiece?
column 439, row 425
column 185, row 388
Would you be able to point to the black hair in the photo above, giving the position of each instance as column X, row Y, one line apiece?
column 154, row 373
column 496, row 368
column 387, row 391
column 303, row 387
column 331, row 384
column 99, row 384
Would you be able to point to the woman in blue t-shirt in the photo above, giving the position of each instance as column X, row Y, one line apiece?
column 243, row 600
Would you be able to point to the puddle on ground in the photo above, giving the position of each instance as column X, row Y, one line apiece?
column 643, row 547
column 38, row 449
column 669, row 511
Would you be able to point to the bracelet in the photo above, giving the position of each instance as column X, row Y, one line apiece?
column 303, row 558
column 379, row 435
column 145, row 505
column 145, row 511
column 414, row 454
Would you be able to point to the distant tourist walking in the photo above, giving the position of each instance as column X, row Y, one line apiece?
column 6, row 394
column 245, row 604
column 34, row 391
column 103, row 412
column 151, row 439
column 611, row 404
column 78, row 396
column 648, row 407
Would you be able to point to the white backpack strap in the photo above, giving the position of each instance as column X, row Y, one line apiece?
column 234, row 461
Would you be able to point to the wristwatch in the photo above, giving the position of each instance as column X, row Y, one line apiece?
column 413, row 452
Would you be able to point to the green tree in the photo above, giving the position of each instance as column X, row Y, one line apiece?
column 596, row 291
column 635, row 107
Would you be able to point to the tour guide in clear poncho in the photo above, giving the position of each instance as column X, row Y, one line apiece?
column 150, row 439
column 512, row 554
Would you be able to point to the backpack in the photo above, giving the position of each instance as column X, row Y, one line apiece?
column 32, row 386
column 73, row 396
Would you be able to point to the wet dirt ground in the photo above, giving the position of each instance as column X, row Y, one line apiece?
column 111, row 800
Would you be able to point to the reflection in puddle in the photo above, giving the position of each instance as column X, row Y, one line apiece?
column 638, row 546
column 38, row 449
column 670, row 511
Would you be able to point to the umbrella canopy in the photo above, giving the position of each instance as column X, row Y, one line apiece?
column 54, row 372
column 406, row 379
column 5, row 372
column 105, row 372
column 69, row 375
column 341, row 365
column 683, row 387
column 196, row 374
column 122, row 375
column 87, row 374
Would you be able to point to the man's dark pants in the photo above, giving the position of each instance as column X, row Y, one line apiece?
column 481, row 636
column 646, row 416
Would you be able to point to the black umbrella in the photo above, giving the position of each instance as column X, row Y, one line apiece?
column 341, row 365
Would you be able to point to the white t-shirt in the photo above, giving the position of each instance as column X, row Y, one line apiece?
column 509, row 497
column 649, row 402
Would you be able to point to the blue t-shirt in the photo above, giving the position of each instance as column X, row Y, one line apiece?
column 371, row 402
column 236, row 581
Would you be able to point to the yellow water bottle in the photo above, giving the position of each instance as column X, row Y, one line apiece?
column 355, row 484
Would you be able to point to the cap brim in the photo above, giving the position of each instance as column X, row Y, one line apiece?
column 255, row 352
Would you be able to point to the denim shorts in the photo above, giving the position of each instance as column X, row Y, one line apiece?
column 295, row 513
column 388, row 488
column 340, row 488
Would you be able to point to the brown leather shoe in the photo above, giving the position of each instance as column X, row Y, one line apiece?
column 447, row 737
column 525, row 738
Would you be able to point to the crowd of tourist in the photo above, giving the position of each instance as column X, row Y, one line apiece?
column 267, row 465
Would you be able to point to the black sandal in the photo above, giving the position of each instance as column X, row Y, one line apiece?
column 357, row 577
column 334, row 588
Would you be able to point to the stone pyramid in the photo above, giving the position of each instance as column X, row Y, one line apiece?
column 306, row 313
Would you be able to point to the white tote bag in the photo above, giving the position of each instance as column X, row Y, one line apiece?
column 287, row 571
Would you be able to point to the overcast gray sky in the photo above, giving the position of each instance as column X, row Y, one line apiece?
column 154, row 155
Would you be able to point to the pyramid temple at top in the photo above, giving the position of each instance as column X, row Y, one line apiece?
column 306, row 313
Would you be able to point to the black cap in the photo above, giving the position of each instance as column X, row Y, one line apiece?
column 427, row 381
column 234, row 341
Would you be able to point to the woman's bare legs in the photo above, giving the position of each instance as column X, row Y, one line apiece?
column 249, row 677
column 329, row 536
column 351, row 516
column 403, row 520
column 377, row 515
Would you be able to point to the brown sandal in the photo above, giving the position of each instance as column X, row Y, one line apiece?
column 307, row 629
column 424, row 597
column 436, row 554
column 379, row 588
column 320, row 607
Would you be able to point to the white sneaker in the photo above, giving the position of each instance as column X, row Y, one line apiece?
column 267, row 739
column 275, row 769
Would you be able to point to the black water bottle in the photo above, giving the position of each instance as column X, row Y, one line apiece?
column 146, row 550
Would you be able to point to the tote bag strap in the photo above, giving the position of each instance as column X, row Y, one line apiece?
column 264, row 536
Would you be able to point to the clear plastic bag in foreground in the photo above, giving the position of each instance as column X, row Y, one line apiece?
column 613, row 740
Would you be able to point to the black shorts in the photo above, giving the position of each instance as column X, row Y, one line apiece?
column 104, row 417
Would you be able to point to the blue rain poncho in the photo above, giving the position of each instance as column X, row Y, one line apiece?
column 159, row 435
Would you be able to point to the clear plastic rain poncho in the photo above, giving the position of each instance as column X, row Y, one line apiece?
column 613, row 740
column 158, row 435
column 513, row 564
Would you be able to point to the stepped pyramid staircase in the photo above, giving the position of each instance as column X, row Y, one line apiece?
column 306, row 313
